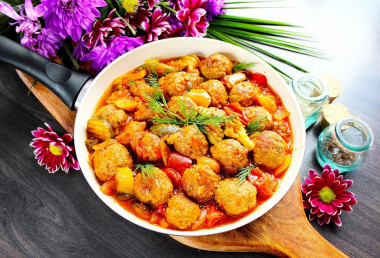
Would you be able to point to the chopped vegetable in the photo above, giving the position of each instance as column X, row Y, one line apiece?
column 142, row 210
column 235, row 109
column 213, row 215
column 268, row 102
column 179, row 162
column 200, row 97
column 214, row 133
column 244, row 172
column 201, row 219
column 265, row 183
column 163, row 129
column 173, row 175
column 212, row 163
column 124, row 180
column 161, row 210
column 108, row 187
column 259, row 78
column 127, row 78
column 281, row 113
column 239, row 67
column 127, row 104
column 231, row 80
column 281, row 169
column 100, row 129
column 235, row 129
column 90, row 143
column 165, row 151
column 131, row 127
column 159, row 68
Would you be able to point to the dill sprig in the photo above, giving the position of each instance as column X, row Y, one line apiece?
column 256, row 125
column 146, row 170
column 244, row 172
column 191, row 116
column 240, row 67
column 153, row 80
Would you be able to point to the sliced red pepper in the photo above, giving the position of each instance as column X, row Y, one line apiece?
column 213, row 215
column 173, row 175
column 161, row 210
column 264, row 183
column 259, row 78
column 179, row 162
column 241, row 117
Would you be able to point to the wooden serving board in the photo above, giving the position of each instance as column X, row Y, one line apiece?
column 282, row 231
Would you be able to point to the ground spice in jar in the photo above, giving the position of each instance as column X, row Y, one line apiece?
column 338, row 154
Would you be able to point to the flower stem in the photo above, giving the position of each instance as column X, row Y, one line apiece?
column 121, row 17
column 72, row 59
column 31, row 86
column 168, row 8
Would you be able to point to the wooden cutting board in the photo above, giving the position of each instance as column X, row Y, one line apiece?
column 282, row 231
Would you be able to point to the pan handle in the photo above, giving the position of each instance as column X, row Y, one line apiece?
column 63, row 82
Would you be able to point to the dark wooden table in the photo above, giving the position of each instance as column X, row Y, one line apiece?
column 58, row 215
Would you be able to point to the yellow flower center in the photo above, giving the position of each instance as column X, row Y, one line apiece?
column 55, row 150
column 130, row 5
column 326, row 195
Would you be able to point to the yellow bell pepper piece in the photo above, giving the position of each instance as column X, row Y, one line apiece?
column 200, row 97
column 124, row 180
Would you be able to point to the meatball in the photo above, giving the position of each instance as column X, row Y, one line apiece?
column 119, row 94
column 114, row 116
column 190, row 141
column 213, row 111
column 155, row 189
column 216, row 66
column 143, row 113
column 234, row 198
column 217, row 92
column 199, row 182
column 176, row 105
column 108, row 157
column 259, row 114
column 147, row 146
column 140, row 88
column 181, row 212
column 174, row 84
column 244, row 93
column 269, row 150
column 231, row 155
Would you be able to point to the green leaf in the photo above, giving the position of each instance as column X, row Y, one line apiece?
column 252, row 20
column 103, row 12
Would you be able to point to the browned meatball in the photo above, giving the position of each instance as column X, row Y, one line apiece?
column 269, row 150
column 114, row 116
column 217, row 92
column 261, row 115
column 199, row 182
column 147, row 146
column 234, row 198
column 177, row 104
column 140, row 89
column 174, row 84
column 244, row 93
column 143, row 113
column 181, row 212
column 108, row 157
column 231, row 155
column 155, row 189
column 119, row 94
column 189, row 141
column 216, row 66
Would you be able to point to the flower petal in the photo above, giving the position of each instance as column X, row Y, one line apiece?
column 337, row 220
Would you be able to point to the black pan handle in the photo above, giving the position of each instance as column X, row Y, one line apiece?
column 64, row 82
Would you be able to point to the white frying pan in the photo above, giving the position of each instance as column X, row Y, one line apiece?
column 80, row 92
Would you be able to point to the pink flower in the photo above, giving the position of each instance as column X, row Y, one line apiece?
column 158, row 27
column 151, row 3
column 326, row 195
column 53, row 151
column 136, row 20
column 193, row 17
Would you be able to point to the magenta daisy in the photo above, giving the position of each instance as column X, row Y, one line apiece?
column 157, row 27
column 151, row 3
column 136, row 20
column 193, row 17
column 326, row 195
column 53, row 151
column 71, row 17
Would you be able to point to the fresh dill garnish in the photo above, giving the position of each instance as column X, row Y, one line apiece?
column 256, row 125
column 239, row 67
column 146, row 170
column 129, row 83
column 191, row 116
column 153, row 80
column 243, row 173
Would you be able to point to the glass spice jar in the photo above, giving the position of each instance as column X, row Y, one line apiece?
column 312, row 94
column 344, row 145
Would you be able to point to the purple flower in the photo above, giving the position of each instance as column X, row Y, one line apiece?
column 136, row 20
column 158, row 26
column 177, row 26
column 44, row 43
column 101, row 56
column 193, row 16
column 71, row 17
column 214, row 8
column 27, row 23
column 53, row 151
column 103, row 31
column 326, row 195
